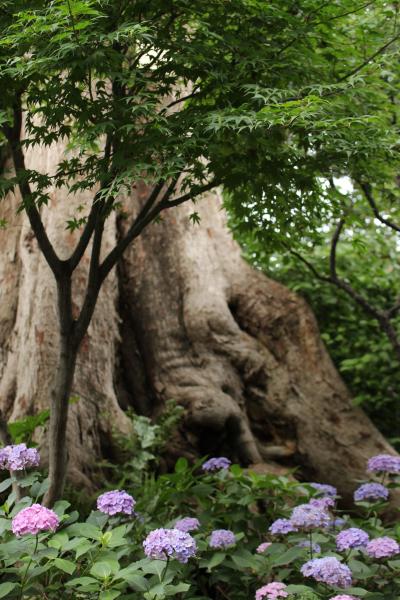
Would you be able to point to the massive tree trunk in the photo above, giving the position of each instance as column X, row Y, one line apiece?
column 183, row 317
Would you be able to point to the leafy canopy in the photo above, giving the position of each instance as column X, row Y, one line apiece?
column 262, row 97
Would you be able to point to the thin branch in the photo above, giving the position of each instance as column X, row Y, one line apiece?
column 144, row 218
column 87, row 232
column 192, row 194
column 366, row 188
column 310, row 266
column 181, row 99
column 13, row 134
column 369, row 59
column 392, row 312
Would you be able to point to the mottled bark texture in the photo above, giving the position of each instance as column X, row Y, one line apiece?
column 183, row 317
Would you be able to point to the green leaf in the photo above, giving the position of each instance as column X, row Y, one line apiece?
column 215, row 560
column 104, row 568
column 65, row 565
column 82, row 582
column 287, row 557
column 109, row 595
column 86, row 530
column 6, row 588
column 4, row 485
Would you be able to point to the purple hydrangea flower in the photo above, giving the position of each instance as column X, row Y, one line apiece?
column 215, row 464
column 351, row 538
column 272, row 591
column 328, row 570
column 222, row 538
column 382, row 547
column 316, row 548
column 307, row 516
column 34, row 519
column 263, row 547
column 384, row 463
column 281, row 527
column 18, row 457
column 187, row 524
column 324, row 503
column 343, row 597
column 169, row 543
column 325, row 489
column 371, row 491
column 117, row 501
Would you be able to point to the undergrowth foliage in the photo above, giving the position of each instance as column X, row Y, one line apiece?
column 210, row 530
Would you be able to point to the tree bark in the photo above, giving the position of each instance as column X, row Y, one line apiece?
column 184, row 317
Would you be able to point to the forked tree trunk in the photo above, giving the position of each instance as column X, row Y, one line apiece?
column 183, row 317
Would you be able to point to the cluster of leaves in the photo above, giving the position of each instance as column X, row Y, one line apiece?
column 367, row 259
column 102, row 557
column 257, row 96
column 139, row 453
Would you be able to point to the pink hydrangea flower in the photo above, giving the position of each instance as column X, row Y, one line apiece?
column 343, row 597
column 34, row 519
column 262, row 547
column 272, row 591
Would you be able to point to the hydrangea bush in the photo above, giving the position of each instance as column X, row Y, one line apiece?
column 200, row 534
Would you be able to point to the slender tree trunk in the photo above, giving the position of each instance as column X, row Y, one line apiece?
column 57, row 441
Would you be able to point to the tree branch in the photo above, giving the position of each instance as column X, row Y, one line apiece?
column 146, row 215
column 95, row 210
column 368, row 60
column 13, row 134
column 366, row 188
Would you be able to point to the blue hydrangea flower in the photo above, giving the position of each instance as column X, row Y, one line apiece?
column 169, row 543
column 281, row 527
column 351, row 538
column 325, row 489
column 217, row 463
column 371, row 491
column 187, row 524
column 328, row 570
column 222, row 538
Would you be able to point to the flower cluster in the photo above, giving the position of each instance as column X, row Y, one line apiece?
column 325, row 489
column 115, row 502
column 308, row 516
column 371, row 491
column 222, row 538
column 169, row 543
column 384, row 463
column 263, row 547
column 272, row 591
column 351, row 538
column 343, row 597
column 34, row 519
column 281, row 527
column 215, row 464
column 18, row 457
column 187, row 524
column 382, row 547
column 323, row 503
column 328, row 570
